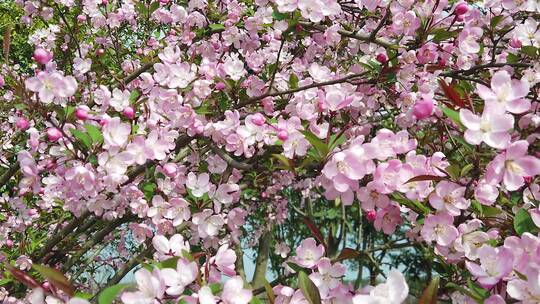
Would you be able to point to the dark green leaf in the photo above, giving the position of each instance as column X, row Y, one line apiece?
column 279, row 16
column 94, row 132
column 83, row 138
column 216, row 27
column 308, row 288
column 108, row 295
column 530, row 51
column 317, row 143
column 523, row 222
column 453, row 115
column 133, row 96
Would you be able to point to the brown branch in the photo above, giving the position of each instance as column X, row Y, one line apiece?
column 299, row 89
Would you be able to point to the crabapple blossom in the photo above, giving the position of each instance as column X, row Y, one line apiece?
column 512, row 166
column 491, row 128
column 495, row 264
column 308, row 253
column 234, row 293
column 439, row 228
column 449, row 197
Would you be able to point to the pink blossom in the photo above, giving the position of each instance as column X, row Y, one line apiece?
column 207, row 225
column 169, row 248
column 449, row 197
column 150, row 285
column 512, row 165
column 388, row 219
column 308, row 253
column 199, row 185
column 491, row 128
column 394, row 291
column 327, row 276
column 115, row 133
column 177, row 279
column 495, row 264
column 505, row 93
column 235, row 293
column 51, row 85
column 439, row 228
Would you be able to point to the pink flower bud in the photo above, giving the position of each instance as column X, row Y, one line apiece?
column 381, row 58
column 220, row 86
column 100, row 52
column 46, row 285
column 53, row 134
column 282, row 135
column 32, row 212
column 371, row 215
column 9, row 243
column 461, row 9
column 103, row 122
column 129, row 112
column 22, row 123
column 423, row 109
column 170, row 169
column 2, row 81
column 515, row 43
column 81, row 18
column 81, row 114
column 528, row 179
column 163, row 1
column 42, row 56
column 104, row 2
column 258, row 119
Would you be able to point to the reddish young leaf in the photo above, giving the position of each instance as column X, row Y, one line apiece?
column 452, row 94
column 429, row 296
column 315, row 231
column 421, row 178
column 348, row 253
column 23, row 277
column 56, row 278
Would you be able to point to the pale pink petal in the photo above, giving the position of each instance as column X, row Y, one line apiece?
column 498, row 140
column 469, row 120
column 474, row 137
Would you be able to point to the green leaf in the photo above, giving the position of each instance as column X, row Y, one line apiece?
column 269, row 291
column 308, row 288
column 429, row 296
column 153, row 7
column 295, row 267
column 466, row 169
column 496, row 20
column 216, row 27
column 215, row 287
column 94, row 133
column 453, row 115
column 108, row 295
column 530, row 51
column 523, row 222
column 293, row 81
column 255, row 300
column 512, row 58
column 56, row 278
column 279, row 16
column 465, row 291
column 82, row 137
column 169, row 263
column 317, row 143
column 478, row 291
column 454, row 171
column 443, row 34
column 133, row 96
